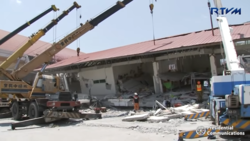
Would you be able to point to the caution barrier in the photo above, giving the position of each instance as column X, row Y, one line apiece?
column 197, row 115
column 193, row 134
column 240, row 124
column 235, row 125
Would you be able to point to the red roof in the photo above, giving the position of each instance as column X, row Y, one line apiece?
column 185, row 40
column 18, row 40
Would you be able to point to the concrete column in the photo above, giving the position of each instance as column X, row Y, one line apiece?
column 157, row 80
column 213, row 65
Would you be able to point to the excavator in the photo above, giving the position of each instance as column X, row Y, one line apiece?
column 19, row 29
column 17, row 55
column 36, row 99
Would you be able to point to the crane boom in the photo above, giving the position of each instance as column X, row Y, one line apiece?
column 13, row 33
column 34, row 38
column 230, row 51
column 46, row 56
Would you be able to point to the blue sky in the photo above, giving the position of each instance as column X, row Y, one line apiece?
column 130, row 25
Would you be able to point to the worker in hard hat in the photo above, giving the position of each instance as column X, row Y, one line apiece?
column 199, row 92
column 136, row 102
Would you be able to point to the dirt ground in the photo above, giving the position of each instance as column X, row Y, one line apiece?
column 106, row 129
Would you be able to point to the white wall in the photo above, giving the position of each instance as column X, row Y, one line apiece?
column 164, row 65
column 121, row 70
column 97, row 74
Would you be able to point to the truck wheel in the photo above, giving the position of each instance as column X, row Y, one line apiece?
column 33, row 110
column 16, row 112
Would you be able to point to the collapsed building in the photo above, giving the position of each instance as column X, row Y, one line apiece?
column 168, row 69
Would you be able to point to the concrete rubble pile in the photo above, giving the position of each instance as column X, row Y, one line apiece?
column 127, row 86
column 164, row 114
column 182, row 92
column 142, row 84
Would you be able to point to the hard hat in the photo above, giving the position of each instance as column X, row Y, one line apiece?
column 135, row 93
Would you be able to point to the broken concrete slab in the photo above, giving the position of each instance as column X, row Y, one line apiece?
column 158, row 119
column 137, row 117
column 157, row 112
column 174, row 116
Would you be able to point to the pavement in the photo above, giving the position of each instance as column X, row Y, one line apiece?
column 106, row 129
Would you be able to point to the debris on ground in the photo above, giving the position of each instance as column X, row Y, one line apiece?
column 163, row 115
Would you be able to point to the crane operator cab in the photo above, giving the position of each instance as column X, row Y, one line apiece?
column 245, row 62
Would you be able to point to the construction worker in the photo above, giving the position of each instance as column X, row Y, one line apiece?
column 136, row 102
column 199, row 92
column 78, row 51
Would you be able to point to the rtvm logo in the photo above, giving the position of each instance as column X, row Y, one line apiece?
column 224, row 11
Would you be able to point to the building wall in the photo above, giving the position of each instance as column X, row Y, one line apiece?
column 97, row 74
column 148, row 68
column 164, row 65
column 198, row 63
column 123, row 69
column 74, row 85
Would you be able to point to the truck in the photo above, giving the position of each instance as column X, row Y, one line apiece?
column 25, row 25
column 4, row 103
column 229, row 98
column 34, row 100
column 17, row 55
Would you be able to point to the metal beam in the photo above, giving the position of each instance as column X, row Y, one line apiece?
column 143, row 60
column 181, row 54
column 238, row 48
column 78, row 70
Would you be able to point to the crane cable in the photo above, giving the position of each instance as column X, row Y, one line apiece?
column 77, row 47
column 80, row 16
column 151, row 7
column 77, row 24
column 54, row 32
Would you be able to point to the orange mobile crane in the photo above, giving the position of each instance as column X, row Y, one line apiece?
column 4, row 102
column 61, row 107
column 4, row 93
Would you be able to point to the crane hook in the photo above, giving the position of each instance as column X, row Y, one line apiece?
column 78, row 51
column 151, row 7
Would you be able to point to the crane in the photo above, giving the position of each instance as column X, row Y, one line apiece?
column 46, row 56
column 19, row 29
column 229, row 99
column 19, row 53
column 36, row 101
column 34, row 38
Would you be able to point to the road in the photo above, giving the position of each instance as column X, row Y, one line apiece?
column 107, row 129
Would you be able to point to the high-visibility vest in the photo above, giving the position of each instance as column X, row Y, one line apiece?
column 198, row 88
